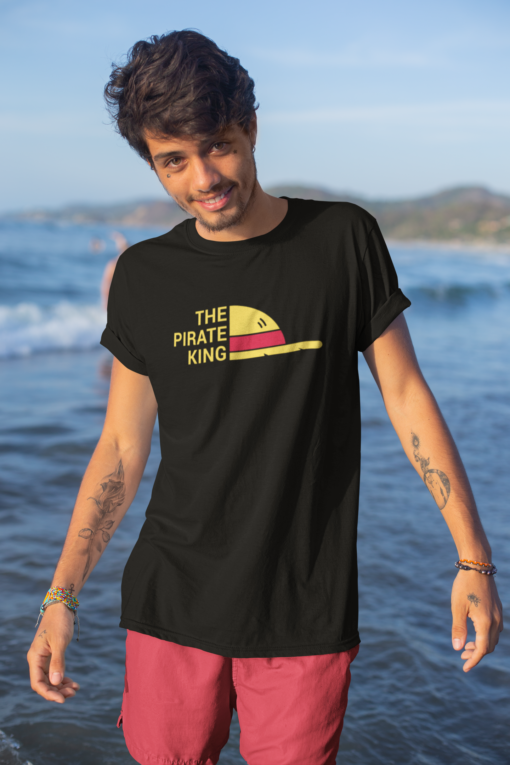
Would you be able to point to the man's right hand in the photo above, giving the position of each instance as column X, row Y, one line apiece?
column 118, row 463
column 46, row 657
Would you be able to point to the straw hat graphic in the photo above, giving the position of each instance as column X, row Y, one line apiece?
column 254, row 333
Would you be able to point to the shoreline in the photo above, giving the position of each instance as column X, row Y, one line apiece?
column 455, row 245
column 463, row 245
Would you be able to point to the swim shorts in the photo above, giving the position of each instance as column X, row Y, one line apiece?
column 178, row 703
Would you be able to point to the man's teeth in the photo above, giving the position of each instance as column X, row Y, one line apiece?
column 216, row 199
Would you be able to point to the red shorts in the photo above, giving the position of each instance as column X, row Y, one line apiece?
column 178, row 703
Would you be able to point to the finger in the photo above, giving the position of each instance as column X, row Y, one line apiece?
column 39, row 683
column 494, row 637
column 459, row 627
column 44, row 689
column 38, row 662
column 57, row 663
column 53, row 695
column 68, row 681
column 37, row 668
column 481, row 648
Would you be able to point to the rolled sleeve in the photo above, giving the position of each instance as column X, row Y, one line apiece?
column 110, row 341
column 395, row 304
column 120, row 336
column 381, row 299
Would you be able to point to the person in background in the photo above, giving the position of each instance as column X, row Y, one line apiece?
column 241, row 328
column 96, row 245
column 122, row 245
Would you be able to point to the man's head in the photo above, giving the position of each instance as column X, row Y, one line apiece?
column 188, row 109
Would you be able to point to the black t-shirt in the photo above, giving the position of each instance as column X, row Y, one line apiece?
column 249, row 544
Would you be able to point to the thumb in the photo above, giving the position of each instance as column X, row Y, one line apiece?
column 57, row 664
column 459, row 629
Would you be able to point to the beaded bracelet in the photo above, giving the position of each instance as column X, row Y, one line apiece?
column 492, row 572
column 477, row 562
column 60, row 595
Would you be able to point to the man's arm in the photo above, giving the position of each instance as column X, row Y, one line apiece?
column 108, row 487
column 428, row 443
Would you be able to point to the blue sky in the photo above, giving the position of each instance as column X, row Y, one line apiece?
column 384, row 98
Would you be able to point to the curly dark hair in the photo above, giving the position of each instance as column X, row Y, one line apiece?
column 178, row 84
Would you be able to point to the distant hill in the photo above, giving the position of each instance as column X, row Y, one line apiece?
column 465, row 215
column 148, row 212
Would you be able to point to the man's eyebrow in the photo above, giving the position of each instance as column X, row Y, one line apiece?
column 167, row 155
column 176, row 153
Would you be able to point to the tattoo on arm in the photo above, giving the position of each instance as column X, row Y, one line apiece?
column 436, row 481
column 42, row 633
column 474, row 600
column 111, row 496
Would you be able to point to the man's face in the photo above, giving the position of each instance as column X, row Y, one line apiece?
column 212, row 179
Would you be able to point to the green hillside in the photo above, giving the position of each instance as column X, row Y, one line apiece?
column 464, row 215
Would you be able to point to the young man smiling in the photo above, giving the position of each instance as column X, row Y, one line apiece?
column 216, row 182
column 241, row 328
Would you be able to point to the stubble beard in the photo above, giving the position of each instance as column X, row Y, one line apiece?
column 223, row 220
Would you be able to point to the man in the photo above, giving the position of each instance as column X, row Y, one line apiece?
column 241, row 327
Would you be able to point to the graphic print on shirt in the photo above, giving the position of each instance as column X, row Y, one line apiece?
column 254, row 333
column 251, row 333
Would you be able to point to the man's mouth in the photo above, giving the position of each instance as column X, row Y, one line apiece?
column 216, row 202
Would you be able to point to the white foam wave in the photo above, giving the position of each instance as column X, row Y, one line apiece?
column 27, row 328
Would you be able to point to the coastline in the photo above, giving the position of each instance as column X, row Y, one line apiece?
column 453, row 245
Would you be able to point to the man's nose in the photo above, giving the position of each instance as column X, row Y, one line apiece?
column 205, row 176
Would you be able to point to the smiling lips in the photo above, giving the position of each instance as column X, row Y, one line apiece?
column 217, row 202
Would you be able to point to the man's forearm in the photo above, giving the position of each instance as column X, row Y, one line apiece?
column 431, row 450
column 106, row 492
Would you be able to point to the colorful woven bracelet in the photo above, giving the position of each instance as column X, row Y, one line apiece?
column 60, row 595
column 477, row 562
column 492, row 572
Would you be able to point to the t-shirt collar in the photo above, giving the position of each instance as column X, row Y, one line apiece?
column 243, row 245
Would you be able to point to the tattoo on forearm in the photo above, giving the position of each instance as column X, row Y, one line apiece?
column 71, row 588
column 111, row 496
column 42, row 633
column 474, row 600
column 436, row 481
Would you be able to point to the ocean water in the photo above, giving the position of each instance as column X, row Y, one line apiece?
column 410, row 702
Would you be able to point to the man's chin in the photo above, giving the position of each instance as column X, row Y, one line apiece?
column 221, row 220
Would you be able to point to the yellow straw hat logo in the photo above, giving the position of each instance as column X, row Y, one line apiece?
column 254, row 333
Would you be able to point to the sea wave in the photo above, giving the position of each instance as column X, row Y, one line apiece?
column 27, row 328
column 9, row 751
column 458, row 293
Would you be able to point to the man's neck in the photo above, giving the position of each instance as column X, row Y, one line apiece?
column 263, row 215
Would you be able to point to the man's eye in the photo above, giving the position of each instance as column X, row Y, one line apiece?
column 174, row 162
column 218, row 146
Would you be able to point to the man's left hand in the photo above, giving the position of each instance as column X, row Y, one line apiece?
column 475, row 595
